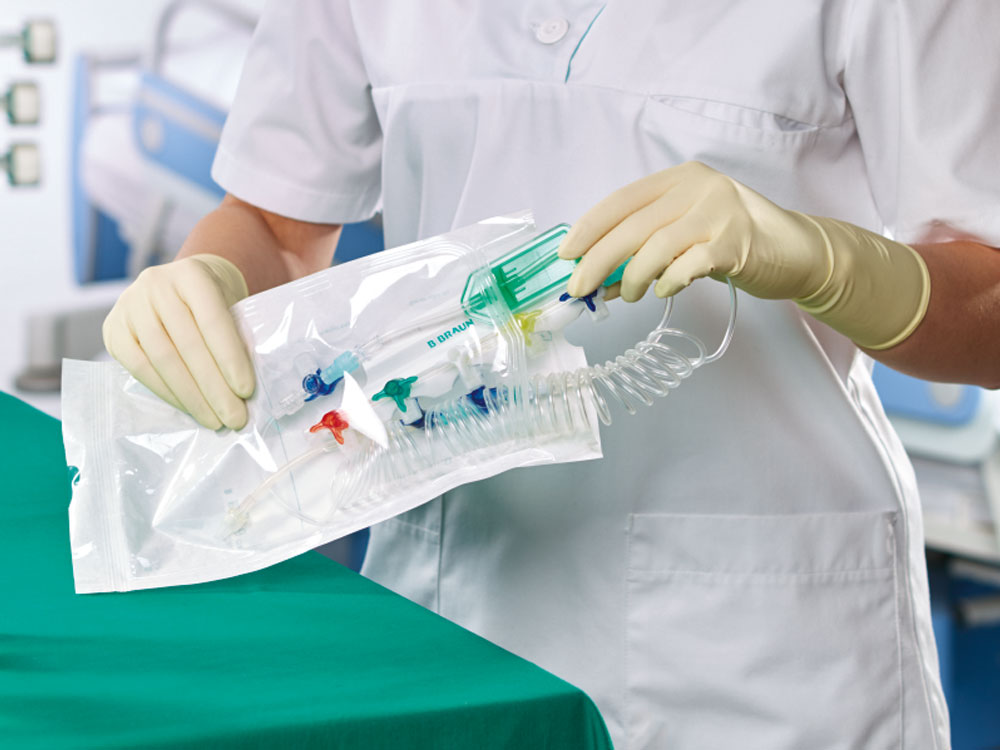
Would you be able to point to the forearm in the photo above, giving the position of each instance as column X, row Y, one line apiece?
column 268, row 249
column 957, row 340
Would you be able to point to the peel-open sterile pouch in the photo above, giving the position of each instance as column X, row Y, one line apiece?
column 381, row 383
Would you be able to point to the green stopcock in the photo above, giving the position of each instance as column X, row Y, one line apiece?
column 398, row 389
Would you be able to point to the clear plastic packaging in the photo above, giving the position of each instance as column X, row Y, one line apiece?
column 381, row 383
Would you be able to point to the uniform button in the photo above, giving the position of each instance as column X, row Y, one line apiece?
column 551, row 31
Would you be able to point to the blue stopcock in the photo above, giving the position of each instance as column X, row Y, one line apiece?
column 587, row 299
column 324, row 381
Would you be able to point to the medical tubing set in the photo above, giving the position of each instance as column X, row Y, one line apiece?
column 382, row 383
column 546, row 404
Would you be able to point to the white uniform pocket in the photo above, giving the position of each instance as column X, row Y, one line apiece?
column 731, row 123
column 762, row 632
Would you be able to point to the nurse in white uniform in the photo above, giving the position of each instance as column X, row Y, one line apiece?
column 745, row 567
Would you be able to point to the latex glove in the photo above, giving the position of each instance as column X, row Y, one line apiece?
column 691, row 221
column 173, row 331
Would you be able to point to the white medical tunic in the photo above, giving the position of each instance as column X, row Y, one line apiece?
column 745, row 567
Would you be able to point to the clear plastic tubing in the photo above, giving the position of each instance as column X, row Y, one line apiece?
column 551, row 404
column 652, row 368
column 546, row 406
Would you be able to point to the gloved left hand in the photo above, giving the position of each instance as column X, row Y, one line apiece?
column 691, row 221
column 173, row 331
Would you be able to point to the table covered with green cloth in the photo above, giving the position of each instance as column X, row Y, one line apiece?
column 304, row 654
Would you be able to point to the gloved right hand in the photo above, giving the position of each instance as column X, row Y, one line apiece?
column 173, row 331
column 691, row 221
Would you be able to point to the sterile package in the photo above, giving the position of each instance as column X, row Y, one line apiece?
column 381, row 383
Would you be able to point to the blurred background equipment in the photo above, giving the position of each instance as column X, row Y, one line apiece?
column 36, row 40
column 22, row 103
column 58, row 334
column 22, row 164
column 951, row 434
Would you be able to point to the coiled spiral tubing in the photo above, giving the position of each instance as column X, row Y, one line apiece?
column 650, row 369
column 547, row 405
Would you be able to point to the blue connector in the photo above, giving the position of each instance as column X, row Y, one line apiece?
column 322, row 382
